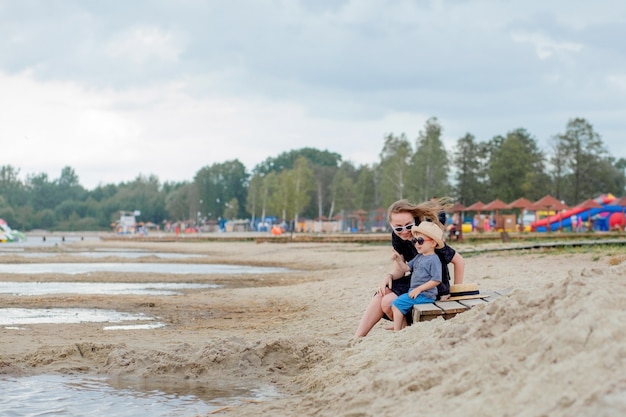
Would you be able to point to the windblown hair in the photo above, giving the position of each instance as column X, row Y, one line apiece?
column 428, row 210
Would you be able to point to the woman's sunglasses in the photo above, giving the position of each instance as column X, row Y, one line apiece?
column 419, row 240
column 400, row 229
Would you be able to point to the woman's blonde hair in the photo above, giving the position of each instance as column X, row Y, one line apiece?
column 428, row 210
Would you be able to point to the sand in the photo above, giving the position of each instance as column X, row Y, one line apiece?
column 554, row 346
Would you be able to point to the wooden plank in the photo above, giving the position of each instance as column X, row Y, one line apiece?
column 423, row 312
column 492, row 295
column 473, row 302
column 451, row 308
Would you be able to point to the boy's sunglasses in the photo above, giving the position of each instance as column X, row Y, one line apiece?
column 399, row 229
column 419, row 240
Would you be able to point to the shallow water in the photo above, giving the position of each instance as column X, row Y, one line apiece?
column 162, row 268
column 74, row 396
column 102, row 254
column 11, row 316
column 105, row 288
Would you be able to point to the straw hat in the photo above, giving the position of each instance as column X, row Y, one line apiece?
column 464, row 292
column 431, row 230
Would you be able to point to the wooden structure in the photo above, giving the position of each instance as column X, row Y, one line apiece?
column 449, row 309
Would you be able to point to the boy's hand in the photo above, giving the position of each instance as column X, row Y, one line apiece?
column 414, row 293
column 396, row 257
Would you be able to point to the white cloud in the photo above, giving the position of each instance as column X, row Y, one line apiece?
column 167, row 89
column 142, row 43
column 544, row 46
column 617, row 80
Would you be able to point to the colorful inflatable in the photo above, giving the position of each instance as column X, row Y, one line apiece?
column 599, row 216
column 9, row 235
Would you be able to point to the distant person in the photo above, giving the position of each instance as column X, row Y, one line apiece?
column 425, row 270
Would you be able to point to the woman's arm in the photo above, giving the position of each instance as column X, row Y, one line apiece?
column 459, row 268
column 398, row 271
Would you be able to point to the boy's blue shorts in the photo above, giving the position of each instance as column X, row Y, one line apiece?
column 404, row 303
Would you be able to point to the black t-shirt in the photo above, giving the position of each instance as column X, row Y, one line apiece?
column 407, row 249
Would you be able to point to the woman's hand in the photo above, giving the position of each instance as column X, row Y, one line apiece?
column 385, row 285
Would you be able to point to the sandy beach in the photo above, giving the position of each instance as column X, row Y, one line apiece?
column 555, row 345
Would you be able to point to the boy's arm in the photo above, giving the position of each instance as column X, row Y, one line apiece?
column 424, row 287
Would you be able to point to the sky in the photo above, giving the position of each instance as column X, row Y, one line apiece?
column 115, row 90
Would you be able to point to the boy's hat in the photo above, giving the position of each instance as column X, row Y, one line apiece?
column 464, row 292
column 431, row 230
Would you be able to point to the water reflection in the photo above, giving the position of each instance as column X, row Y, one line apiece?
column 163, row 268
column 12, row 316
column 74, row 396
column 107, row 288
column 103, row 254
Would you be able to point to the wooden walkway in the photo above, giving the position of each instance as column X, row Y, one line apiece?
column 449, row 309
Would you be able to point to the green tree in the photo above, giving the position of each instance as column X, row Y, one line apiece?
column 218, row 184
column 254, row 199
column 287, row 160
column 324, row 165
column 232, row 209
column 68, row 185
column 395, row 162
column 581, row 158
column 467, row 158
column 11, row 187
column 429, row 172
column 182, row 202
column 41, row 191
column 342, row 190
column 516, row 166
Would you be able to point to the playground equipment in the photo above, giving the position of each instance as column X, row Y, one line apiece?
column 9, row 235
column 602, row 217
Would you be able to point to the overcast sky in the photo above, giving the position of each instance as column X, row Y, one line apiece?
column 115, row 89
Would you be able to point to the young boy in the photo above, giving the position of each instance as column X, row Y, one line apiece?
column 425, row 275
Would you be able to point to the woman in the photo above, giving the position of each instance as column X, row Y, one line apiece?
column 402, row 216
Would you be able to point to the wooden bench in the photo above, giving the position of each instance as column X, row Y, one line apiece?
column 449, row 309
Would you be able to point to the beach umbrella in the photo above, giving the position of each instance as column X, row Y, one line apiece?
column 456, row 207
column 522, row 204
column 620, row 202
column 477, row 207
column 549, row 203
column 496, row 205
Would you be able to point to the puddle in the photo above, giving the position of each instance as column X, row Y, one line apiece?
column 161, row 268
column 106, row 288
column 22, row 316
column 99, row 254
column 74, row 396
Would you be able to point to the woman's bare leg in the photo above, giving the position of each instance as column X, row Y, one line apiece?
column 372, row 315
column 385, row 303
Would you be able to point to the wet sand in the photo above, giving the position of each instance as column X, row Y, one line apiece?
column 554, row 346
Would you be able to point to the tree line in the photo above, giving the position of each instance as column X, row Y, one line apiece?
column 311, row 183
